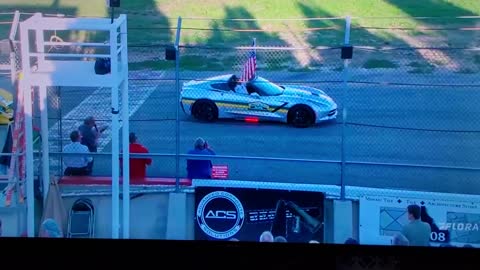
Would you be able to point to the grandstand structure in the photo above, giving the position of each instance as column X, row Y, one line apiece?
column 42, row 68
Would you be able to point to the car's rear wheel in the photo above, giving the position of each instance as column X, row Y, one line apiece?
column 205, row 110
column 301, row 116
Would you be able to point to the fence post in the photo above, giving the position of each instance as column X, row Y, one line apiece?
column 45, row 157
column 344, row 107
column 125, row 136
column 13, row 53
column 177, row 89
column 60, row 131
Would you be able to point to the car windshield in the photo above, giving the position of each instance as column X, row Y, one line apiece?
column 266, row 88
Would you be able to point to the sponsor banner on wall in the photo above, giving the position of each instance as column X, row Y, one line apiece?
column 455, row 223
column 244, row 213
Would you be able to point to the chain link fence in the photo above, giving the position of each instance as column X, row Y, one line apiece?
column 411, row 107
column 409, row 94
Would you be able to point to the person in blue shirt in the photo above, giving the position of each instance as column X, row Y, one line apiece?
column 198, row 168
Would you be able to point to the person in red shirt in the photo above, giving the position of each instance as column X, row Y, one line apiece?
column 138, row 165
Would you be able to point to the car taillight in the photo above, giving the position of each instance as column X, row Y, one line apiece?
column 251, row 119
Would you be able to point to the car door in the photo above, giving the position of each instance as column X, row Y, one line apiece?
column 231, row 103
column 270, row 107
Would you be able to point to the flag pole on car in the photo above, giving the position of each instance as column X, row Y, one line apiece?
column 250, row 66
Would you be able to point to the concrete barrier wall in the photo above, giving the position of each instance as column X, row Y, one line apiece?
column 168, row 215
column 328, row 225
column 172, row 216
column 165, row 215
column 191, row 216
column 13, row 220
column 148, row 215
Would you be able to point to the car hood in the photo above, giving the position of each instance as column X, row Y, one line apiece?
column 313, row 94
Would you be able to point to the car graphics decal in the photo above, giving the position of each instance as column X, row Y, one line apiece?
column 280, row 107
column 248, row 106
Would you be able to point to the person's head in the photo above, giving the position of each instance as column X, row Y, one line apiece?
column 400, row 240
column 89, row 121
column 280, row 239
column 351, row 241
column 413, row 212
column 132, row 138
column 266, row 236
column 75, row 136
column 50, row 229
column 232, row 82
column 200, row 143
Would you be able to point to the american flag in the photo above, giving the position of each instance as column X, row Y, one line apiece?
column 250, row 66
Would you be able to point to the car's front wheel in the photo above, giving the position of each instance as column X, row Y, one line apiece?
column 205, row 110
column 301, row 116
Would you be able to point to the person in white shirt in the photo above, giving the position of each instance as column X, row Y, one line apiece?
column 238, row 86
column 241, row 88
column 76, row 164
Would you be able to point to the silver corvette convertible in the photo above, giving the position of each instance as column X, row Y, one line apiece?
column 220, row 98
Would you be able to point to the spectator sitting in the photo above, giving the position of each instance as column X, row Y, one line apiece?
column 138, row 166
column 76, row 164
column 400, row 240
column 351, row 241
column 417, row 232
column 266, row 236
column 200, row 169
column 280, row 239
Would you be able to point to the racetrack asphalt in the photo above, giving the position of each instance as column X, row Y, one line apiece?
column 410, row 125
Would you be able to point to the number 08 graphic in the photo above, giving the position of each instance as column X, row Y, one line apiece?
column 437, row 236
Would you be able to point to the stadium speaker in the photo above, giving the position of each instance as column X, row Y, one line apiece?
column 113, row 3
column 347, row 52
column 170, row 53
